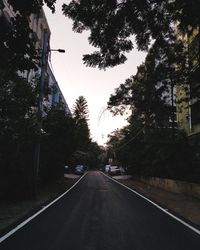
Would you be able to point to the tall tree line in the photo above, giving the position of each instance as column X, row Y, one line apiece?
column 161, row 28
column 151, row 144
column 64, row 140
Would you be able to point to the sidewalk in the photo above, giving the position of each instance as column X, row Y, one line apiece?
column 185, row 206
column 13, row 212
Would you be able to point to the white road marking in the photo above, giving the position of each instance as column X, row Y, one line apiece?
column 159, row 207
column 36, row 214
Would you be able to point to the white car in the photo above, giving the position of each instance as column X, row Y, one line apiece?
column 107, row 167
column 114, row 170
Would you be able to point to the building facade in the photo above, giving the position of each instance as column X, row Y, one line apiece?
column 55, row 96
column 188, row 95
column 39, row 25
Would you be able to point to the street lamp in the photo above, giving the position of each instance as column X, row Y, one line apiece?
column 59, row 50
column 44, row 59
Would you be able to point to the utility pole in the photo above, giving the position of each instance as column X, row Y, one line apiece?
column 43, row 62
column 173, row 111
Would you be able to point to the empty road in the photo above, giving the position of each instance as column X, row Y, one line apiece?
column 99, row 214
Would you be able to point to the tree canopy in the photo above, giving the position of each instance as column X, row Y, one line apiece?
column 147, row 94
column 152, row 153
column 80, row 109
column 112, row 24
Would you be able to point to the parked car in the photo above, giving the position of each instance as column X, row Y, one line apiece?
column 122, row 169
column 85, row 168
column 107, row 167
column 79, row 169
column 66, row 169
column 114, row 170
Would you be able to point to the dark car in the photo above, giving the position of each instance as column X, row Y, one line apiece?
column 79, row 169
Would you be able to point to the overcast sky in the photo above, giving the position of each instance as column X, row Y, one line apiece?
column 75, row 79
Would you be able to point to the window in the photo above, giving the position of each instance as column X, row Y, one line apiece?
column 195, row 113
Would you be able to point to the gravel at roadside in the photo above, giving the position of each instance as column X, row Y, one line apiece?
column 12, row 213
column 185, row 206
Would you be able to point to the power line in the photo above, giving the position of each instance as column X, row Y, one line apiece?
column 131, row 138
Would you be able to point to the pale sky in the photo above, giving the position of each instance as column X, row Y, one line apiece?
column 75, row 79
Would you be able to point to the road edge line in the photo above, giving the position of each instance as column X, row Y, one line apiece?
column 156, row 205
column 39, row 212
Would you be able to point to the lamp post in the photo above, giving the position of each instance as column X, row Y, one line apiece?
column 43, row 60
column 59, row 50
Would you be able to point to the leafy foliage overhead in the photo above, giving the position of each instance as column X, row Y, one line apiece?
column 112, row 23
column 26, row 7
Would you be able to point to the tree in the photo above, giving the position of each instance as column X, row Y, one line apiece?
column 80, row 109
column 125, row 146
column 185, row 13
column 146, row 94
column 57, row 144
column 82, row 132
column 150, row 145
column 95, row 153
column 17, row 134
column 80, row 115
column 113, row 23
column 86, row 151
column 152, row 153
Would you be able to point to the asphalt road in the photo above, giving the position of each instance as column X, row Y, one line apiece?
column 99, row 214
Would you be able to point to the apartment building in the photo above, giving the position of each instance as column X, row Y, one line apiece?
column 39, row 25
column 55, row 97
column 37, row 22
column 188, row 96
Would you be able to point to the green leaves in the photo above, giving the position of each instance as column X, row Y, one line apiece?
column 57, row 144
column 80, row 109
column 80, row 115
column 27, row 7
column 17, row 131
column 86, row 151
column 16, row 105
column 112, row 23
column 185, row 13
column 147, row 94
